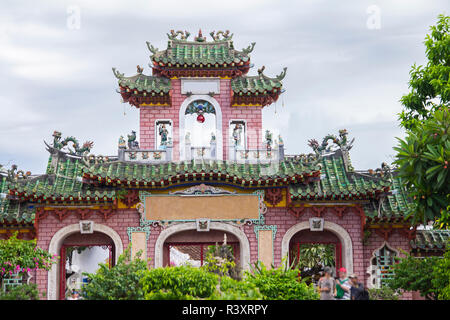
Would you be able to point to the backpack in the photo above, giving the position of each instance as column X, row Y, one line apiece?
column 363, row 294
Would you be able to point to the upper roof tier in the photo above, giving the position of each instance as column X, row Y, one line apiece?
column 199, row 57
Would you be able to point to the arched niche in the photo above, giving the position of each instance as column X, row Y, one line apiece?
column 182, row 123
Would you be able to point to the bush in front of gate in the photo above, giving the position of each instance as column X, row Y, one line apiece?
column 121, row 282
column 132, row 280
column 282, row 283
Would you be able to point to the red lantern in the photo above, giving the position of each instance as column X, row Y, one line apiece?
column 200, row 118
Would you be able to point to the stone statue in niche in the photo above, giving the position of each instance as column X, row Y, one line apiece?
column 237, row 133
column 164, row 133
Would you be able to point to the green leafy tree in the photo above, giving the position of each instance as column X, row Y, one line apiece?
column 423, row 156
column 423, row 160
column 280, row 283
column 429, row 85
column 441, row 275
column 414, row 274
column 19, row 256
column 121, row 282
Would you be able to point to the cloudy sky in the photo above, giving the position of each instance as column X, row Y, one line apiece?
column 348, row 65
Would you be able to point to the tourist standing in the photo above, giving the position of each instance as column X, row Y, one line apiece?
column 357, row 292
column 326, row 285
column 343, row 285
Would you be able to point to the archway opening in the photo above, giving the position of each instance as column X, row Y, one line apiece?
column 192, row 247
column 80, row 253
column 311, row 251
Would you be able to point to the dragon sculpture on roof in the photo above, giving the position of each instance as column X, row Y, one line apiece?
column 341, row 141
column 58, row 144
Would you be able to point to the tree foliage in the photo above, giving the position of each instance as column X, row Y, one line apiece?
column 121, row 282
column 423, row 156
column 19, row 256
column 429, row 85
column 423, row 160
column 441, row 275
column 414, row 274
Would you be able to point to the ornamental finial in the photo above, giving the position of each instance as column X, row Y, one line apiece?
column 117, row 73
column 249, row 48
column 151, row 48
column 282, row 74
column 200, row 37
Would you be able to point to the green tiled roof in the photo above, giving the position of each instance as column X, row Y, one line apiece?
column 394, row 205
column 338, row 183
column 143, row 83
column 62, row 182
column 254, row 85
column 434, row 240
column 11, row 211
column 194, row 53
column 147, row 173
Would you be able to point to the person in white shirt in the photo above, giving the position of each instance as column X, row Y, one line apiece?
column 343, row 286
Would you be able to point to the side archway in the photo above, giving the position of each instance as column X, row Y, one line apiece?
column 341, row 233
column 56, row 243
column 243, row 240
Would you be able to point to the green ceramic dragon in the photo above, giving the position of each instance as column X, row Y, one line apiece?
column 342, row 142
column 77, row 150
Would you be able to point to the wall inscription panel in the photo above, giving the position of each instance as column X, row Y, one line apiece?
column 193, row 207
column 201, row 202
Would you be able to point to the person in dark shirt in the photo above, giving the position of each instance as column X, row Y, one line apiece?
column 357, row 291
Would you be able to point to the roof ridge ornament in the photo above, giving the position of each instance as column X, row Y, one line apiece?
column 225, row 35
column 183, row 35
column 249, row 48
column 341, row 142
column 200, row 37
column 117, row 74
column 151, row 48
column 59, row 144
column 282, row 74
column 13, row 176
column 278, row 77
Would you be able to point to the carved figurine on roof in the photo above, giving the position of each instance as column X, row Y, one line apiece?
column 341, row 142
column 59, row 144
column 132, row 142
column 13, row 175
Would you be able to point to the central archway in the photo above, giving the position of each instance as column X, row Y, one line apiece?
column 244, row 246
column 341, row 233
